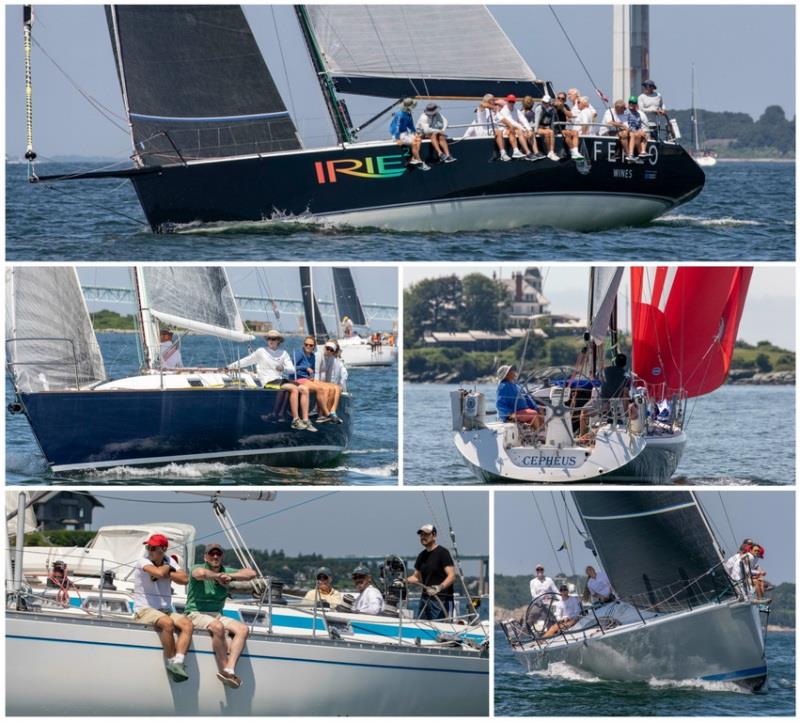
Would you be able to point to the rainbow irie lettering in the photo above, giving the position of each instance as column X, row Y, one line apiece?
column 382, row 166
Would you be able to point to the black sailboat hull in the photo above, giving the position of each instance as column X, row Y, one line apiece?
column 369, row 185
column 97, row 429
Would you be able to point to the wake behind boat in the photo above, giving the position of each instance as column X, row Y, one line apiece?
column 213, row 141
column 168, row 412
column 684, row 326
column 675, row 612
column 301, row 658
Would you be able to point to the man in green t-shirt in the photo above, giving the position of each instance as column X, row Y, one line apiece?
column 205, row 598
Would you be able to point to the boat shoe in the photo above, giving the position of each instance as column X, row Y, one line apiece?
column 229, row 680
column 177, row 671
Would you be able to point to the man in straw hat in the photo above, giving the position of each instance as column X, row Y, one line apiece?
column 513, row 402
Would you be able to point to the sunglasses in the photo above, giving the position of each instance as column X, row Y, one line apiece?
column 276, row 340
column 323, row 578
column 359, row 579
column 152, row 549
column 215, row 553
column 309, row 345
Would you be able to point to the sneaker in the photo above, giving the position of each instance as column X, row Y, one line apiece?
column 517, row 153
column 425, row 166
column 298, row 424
column 552, row 156
column 575, row 155
column 638, row 159
column 450, row 159
column 414, row 161
column 308, row 426
column 177, row 671
column 323, row 419
column 336, row 419
column 504, row 156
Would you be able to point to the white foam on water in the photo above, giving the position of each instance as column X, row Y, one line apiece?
column 703, row 684
column 563, row 671
column 169, row 471
column 682, row 220
column 354, row 452
column 382, row 471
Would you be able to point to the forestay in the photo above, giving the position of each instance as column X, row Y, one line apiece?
column 347, row 301
column 197, row 298
column 419, row 50
column 195, row 84
column 685, row 321
column 653, row 544
column 50, row 342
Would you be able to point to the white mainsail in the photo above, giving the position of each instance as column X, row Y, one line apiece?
column 50, row 342
column 195, row 298
column 416, row 41
column 605, row 286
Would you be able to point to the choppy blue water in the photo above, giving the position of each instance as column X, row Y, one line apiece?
column 745, row 212
column 371, row 458
column 570, row 692
column 718, row 450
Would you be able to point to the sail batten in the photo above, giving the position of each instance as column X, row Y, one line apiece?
column 50, row 344
column 397, row 50
column 195, row 84
column 685, row 321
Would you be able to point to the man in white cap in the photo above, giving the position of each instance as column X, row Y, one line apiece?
column 369, row 599
column 404, row 133
column 331, row 380
column 169, row 350
column 544, row 118
column 513, row 402
column 435, row 571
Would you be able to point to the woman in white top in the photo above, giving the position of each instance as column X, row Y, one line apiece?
column 331, row 379
column 273, row 367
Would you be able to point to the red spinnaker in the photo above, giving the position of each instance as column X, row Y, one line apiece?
column 685, row 321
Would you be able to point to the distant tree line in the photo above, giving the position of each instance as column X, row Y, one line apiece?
column 454, row 304
column 771, row 131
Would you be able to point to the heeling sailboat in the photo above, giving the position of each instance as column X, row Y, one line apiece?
column 213, row 141
column 300, row 659
column 82, row 420
column 678, row 616
column 684, row 323
column 356, row 350
column 704, row 158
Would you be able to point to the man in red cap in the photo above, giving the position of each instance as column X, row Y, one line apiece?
column 152, row 603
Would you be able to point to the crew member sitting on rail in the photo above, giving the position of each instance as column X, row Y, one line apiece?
column 432, row 125
column 614, row 123
column 638, row 131
column 544, row 118
column 567, row 611
column 514, row 403
column 564, row 123
column 404, row 133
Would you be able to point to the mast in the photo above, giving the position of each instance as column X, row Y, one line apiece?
column 336, row 108
column 695, row 133
column 27, row 25
column 590, row 318
column 147, row 327
column 631, row 48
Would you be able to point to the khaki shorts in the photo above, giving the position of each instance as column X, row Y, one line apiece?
column 148, row 615
column 202, row 620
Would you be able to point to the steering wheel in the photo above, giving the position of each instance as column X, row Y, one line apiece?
column 552, row 376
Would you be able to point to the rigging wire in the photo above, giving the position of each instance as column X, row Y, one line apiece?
column 283, row 61
column 728, row 519
column 113, row 211
column 546, row 530
column 597, row 90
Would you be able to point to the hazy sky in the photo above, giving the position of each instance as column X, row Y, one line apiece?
column 337, row 524
column 744, row 55
column 375, row 284
column 521, row 542
column 769, row 312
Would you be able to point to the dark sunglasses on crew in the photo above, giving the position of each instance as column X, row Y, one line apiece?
column 215, row 553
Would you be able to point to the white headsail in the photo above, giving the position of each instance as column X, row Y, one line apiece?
column 50, row 342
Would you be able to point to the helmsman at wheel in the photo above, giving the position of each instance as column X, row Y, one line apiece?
column 435, row 571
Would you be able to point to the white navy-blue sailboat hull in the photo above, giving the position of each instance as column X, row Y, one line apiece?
column 97, row 429
column 715, row 642
column 122, row 668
